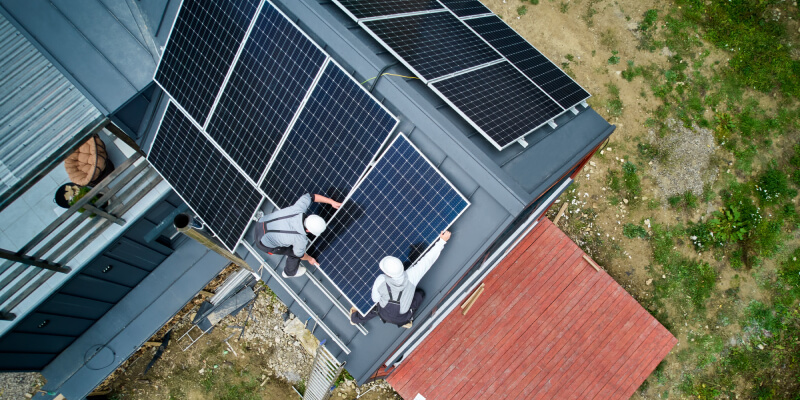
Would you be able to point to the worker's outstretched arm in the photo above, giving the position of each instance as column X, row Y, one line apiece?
column 322, row 199
column 422, row 266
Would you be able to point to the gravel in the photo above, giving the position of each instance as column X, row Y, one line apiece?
column 687, row 164
column 15, row 385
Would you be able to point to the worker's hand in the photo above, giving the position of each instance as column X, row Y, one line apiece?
column 313, row 261
column 445, row 236
column 335, row 204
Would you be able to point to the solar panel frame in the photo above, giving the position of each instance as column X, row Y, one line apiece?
column 311, row 109
column 229, row 193
column 440, row 47
column 466, row 8
column 577, row 94
column 332, row 225
column 483, row 104
column 192, row 110
column 258, row 130
column 413, row 6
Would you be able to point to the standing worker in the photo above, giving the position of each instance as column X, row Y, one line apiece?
column 284, row 232
column 395, row 290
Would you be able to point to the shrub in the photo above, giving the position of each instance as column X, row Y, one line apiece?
column 728, row 225
column 773, row 185
column 614, row 59
column 522, row 10
column 633, row 231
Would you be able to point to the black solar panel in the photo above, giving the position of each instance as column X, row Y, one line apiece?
column 466, row 8
column 201, row 48
column 433, row 45
column 375, row 8
column 274, row 72
column 529, row 60
column 399, row 209
column 339, row 131
column 203, row 177
column 500, row 101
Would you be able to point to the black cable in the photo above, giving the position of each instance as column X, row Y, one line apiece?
column 380, row 74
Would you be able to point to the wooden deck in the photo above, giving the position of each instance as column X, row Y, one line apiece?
column 548, row 325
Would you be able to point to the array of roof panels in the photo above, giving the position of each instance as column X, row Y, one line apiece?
column 360, row 9
column 288, row 120
column 398, row 210
column 202, row 46
column 276, row 101
column 465, row 43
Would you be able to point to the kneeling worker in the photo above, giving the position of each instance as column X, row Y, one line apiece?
column 395, row 291
column 284, row 232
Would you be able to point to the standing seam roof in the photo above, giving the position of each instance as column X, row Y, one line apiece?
column 40, row 110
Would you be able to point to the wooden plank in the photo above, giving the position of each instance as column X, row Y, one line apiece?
column 591, row 262
column 473, row 300
column 658, row 349
column 472, row 296
column 560, row 213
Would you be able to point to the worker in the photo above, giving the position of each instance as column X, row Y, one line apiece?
column 395, row 291
column 284, row 232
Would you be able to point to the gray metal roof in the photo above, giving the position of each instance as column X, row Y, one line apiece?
column 40, row 110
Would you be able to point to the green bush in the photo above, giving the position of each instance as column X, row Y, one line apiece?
column 728, row 225
column 614, row 59
column 522, row 10
column 773, row 185
column 633, row 231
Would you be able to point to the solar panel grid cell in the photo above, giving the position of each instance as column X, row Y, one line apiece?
column 529, row 60
column 466, row 8
column 433, row 45
column 375, row 8
column 500, row 101
column 398, row 209
column 202, row 45
column 339, row 131
column 274, row 72
column 211, row 185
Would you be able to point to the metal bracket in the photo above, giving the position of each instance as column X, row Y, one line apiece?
column 522, row 142
column 574, row 110
column 552, row 124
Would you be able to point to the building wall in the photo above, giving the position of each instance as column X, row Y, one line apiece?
column 71, row 310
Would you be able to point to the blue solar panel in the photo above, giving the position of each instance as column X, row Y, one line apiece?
column 466, row 8
column 433, row 45
column 530, row 61
column 202, row 45
column 337, row 134
column 359, row 9
column 203, row 177
column 399, row 209
column 500, row 101
column 274, row 72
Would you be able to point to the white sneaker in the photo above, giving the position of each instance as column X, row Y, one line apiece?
column 408, row 325
column 300, row 271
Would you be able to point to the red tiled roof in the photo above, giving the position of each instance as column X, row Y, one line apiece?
column 548, row 325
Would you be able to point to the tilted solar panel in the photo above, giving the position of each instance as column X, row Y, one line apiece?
column 274, row 72
column 399, row 209
column 200, row 174
column 201, row 48
column 530, row 61
column 359, row 9
column 499, row 101
column 337, row 134
column 432, row 45
column 466, row 8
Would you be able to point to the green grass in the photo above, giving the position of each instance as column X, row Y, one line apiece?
column 614, row 103
column 614, row 59
column 633, row 231
column 522, row 10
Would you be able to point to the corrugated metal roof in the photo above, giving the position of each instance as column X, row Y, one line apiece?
column 39, row 108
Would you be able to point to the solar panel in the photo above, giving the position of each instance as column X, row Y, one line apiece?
column 359, row 9
column 399, row 209
column 274, row 72
column 530, row 61
column 432, row 45
column 201, row 47
column 499, row 101
column 203, row 177
column 466, row 8
column 338, row 133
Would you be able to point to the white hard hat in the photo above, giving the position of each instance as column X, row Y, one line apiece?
column 392, row 266
column 315, row 224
